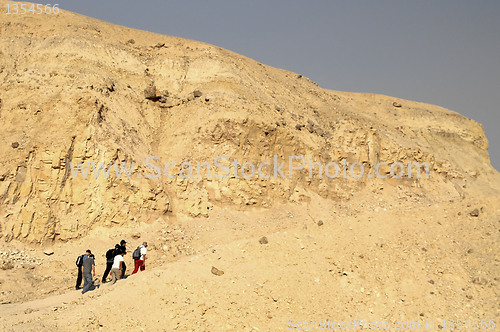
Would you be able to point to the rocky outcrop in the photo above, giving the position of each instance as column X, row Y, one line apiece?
column 91, row 95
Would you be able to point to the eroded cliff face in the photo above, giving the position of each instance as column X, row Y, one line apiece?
column 76, row 90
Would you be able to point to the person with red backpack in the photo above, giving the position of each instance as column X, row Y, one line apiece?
column 79, row 264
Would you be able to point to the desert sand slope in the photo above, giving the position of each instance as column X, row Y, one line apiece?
column 395, row 264
column 78, row 90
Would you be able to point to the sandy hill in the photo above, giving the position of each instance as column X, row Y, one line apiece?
column 78, row 90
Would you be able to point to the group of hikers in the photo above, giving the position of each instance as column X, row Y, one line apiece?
column 115, row 265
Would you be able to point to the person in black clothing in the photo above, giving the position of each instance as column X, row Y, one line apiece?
column 123, row 251
column 79, row 264
column 110, row 256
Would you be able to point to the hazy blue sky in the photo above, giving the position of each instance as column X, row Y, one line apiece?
column 440, row 52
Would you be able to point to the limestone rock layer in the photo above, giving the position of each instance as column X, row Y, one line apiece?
column 77, row 90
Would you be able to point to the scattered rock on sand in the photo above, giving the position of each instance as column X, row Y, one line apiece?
column 164, row 96
column 48, row 252
column 263, row 240
column 216, row 271
column 479, row 281
column 320, row 223
column 395, row 104
column 474, row 213
column 151, row 93
column 15, row 145
column 320, row 132
column 6, row 265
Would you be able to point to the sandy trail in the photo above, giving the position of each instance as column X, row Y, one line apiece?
column 50, row 302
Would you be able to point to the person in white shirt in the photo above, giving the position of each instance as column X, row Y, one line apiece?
column 141, row 262
column 116, row 269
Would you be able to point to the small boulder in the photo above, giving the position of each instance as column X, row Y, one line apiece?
column 320, row 223
column 474, row 213
column 319, row 132
column 197, row 93
column 151, row 93
column 216, row 271
column 15, row 145
column 263, row 240
column 48, row 252
column 395, row 104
